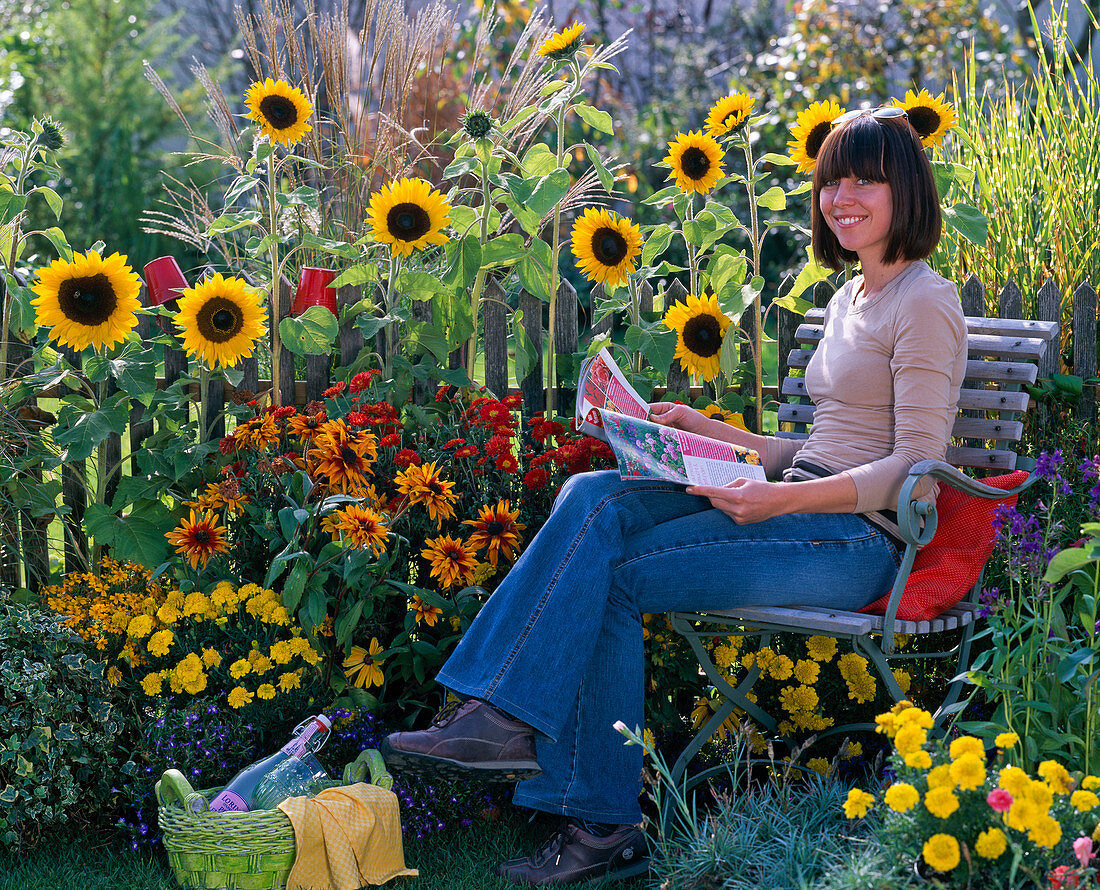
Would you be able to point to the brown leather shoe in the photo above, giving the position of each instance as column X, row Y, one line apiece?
column 466, row 739
column 572, row 854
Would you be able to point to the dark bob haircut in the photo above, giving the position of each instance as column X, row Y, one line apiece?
column 881, row 150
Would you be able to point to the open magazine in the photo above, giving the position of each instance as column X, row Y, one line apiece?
column 609, row 408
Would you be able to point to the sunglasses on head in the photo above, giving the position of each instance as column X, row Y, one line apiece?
column 882, row 113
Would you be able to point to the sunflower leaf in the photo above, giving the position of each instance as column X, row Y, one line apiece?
column 136, row 537
column 656, row 343
column 425, row 337
column 773, row 199
column 362, row 274
column 79, row 431
column 730, row 356
column 727, row 273
column 809, row 275
column 460, row 167
column 548, row 191
column 420, row 285
column 52, row 198
column 598, row 120
column 656, row 244
column 662, row 197
column 534, row 270
column 772, row 158
column 607, row 180
column 311, row 333
column 61, row 244
column 240, row 186
column 538, row 161
column 696, row 230
column 464, row 260
column 525, row 349
column 230, row 222
column 967, row 221
column 504, row 250
column 11, row 205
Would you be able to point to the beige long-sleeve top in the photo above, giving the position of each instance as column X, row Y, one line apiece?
column 885, row 382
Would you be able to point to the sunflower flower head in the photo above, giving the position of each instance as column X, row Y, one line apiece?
column 477, row 124
column 930, row 116
column 220, row 319
column 700, row 326
column 729, row 114
column 606, row 247
column 87, row 301
column 497, row 530
column 408, row 215
column 282, row 111
column 809, row 132
column 53, row 137
column 198, row 538
column 562, row 44
column 695, row 159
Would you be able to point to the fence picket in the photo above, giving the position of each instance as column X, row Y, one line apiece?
column 1011, row 303
column 534, row 396
column 565, row 344
column 678, row 378
column 494, row 311
column 1084, row 347
column 351, row 338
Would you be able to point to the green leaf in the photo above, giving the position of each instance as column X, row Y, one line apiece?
column 52, row 198
column 967, row 221
column 662, row 197
column 526, row 356
column 316, row 607
column 809, row 275
column 295, row 585
column 946, row 174
column 420, row 285
column 538, row 161
column 656, row 343
column 11, row 205
column 534, row 270
column 726, row 269
column 595, row 118
column 300, row 197
column 241, row 185
column 464, row 261
column 60, row 243
column 504, row 250
column 1064, row 562
column 1068, row 666
column 749, row 293
column 366, row 273
column 311, row 333
column 461, row 167
column 780, row 160
column 607, row 180
column 79, row 431
column 696, row 230
column 346, row 623
column 132, row 538
column 729, row 358
column 773, row 199
column 425, row 337
column 657, row 243
column 230, row 222
column 548, row 191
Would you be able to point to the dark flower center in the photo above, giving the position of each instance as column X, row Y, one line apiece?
column 703, row 336
column 495, row 527
column 203, row 537
column 609, row 246
column 408, row 221
column 817, row 137
column 89, row 300
column 695, row 163
column 477, row 124
column 279, row 112
column 924, row 120
column 348, row 456
column 219, row 320
column 435, row 488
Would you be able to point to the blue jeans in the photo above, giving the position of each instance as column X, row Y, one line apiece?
column 559, row 643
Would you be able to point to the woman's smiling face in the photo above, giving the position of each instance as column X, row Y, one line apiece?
column 859, row 213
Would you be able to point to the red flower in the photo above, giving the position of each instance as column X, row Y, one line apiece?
column 284, row 411
column 465, row 452
column 1064, row 878
column 227, row 445
column 406, row 457
column 507, row 463
column 512, row 402
column 536, row 478
column 390, row 441
column 334, row 391
column 999, row 799
column 454, row 443
column 497, row 445
column 361, row 381
column 445, row 393
column 493, row 413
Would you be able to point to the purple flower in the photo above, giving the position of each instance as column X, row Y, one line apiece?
column 1048, row 466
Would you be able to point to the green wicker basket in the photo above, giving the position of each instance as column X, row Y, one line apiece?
column 237, row 851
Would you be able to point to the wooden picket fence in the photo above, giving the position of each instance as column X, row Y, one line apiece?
column 34, row 546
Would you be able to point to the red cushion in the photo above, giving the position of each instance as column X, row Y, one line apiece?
column 947, row 566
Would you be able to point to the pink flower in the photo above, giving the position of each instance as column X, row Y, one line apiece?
column 999, row 799
column 1082, row 849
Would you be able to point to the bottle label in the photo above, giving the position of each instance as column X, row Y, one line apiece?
column 229, row 802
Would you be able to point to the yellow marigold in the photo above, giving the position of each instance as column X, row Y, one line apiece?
column 818, row 764
column 907, row 715
column 1090, row 783
column 918, row 760
column 239, row 668
column 862, row 688
column 941, row 802
column 168, row 614
column 1023, row 815
column 1039, row 793
column 1056, row 775
column 239, row 697
column 781, row 668
column 901, row 797
column 967, row 744
column 279, row 616
column 1046, row 832
column 940, row 777
column 290, row 680
column 196, row 605
column 1006, row 740
column 311, row 656
column 909, row 739
column 991, row 843
column 140, row 627
column 1082, row 801
column 806, row 672
column 114, row 675
column 725, row 657
column 903, row 679
column 1014, row 780
column 821, row 648
column 968, row 771
column 798, row 698
column 281, row 652
column 261, row 665
column 161, row 642
column 858, row 803
column 748, row 660
column 299, row 645
column 941, row 852
column 852, row 750
column 151, row 684
column 212, row 658
column 266, row 691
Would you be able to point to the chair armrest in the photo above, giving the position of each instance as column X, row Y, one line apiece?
column 954, row 477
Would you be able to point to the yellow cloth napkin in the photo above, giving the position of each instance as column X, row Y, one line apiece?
column 346, row 837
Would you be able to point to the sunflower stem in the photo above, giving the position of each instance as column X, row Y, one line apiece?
column 757, row 333
column 693, row 259
column 391, row 330
column 635, row 319
column 276, row 275
column 555, row 251
column 204, row 403
column 101, row 466
column 479, row 279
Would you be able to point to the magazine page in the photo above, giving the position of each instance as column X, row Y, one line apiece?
column 602, row 385
column 646, row 450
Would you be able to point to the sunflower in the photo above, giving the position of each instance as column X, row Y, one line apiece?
column 88, row 301
column 452, row 560
column 696, row 162
column 733, row 418
column 606, row 247
column 363, row 666
column 281, row 110
column 344, row 458
column 931, row 116
column 562, row 44
column 422, row 484
column 220, row 320
column 198, row 538
column 729, row 114
column 409, row 215
column 814, row 124
column 362, row 528
column 496, row 528
column 700, row 326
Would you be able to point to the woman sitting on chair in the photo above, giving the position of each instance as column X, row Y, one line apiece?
column 555, row 657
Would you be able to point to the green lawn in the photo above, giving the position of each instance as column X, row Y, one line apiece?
column 454, row 859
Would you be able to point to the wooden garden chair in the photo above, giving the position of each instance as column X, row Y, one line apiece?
column 1002, row 356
